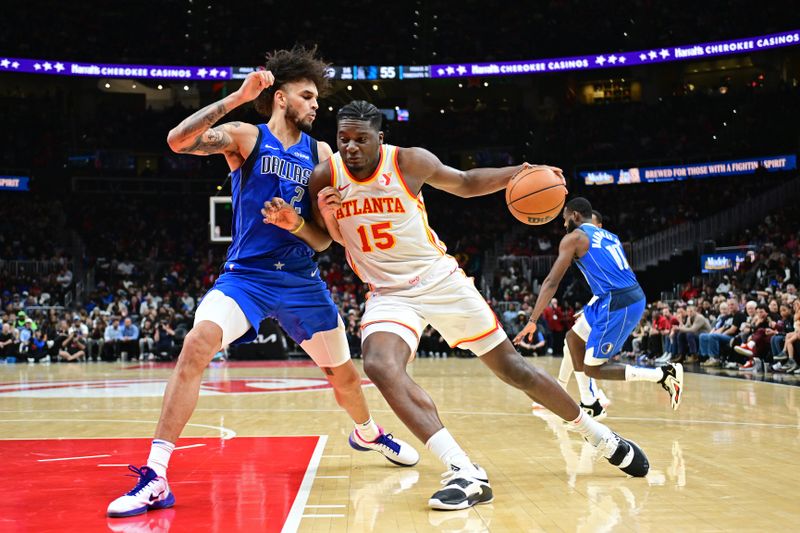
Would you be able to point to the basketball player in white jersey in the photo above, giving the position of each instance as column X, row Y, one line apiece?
column 369, row 198
column 593, row 399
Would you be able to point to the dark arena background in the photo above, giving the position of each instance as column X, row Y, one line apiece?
column 677, row 120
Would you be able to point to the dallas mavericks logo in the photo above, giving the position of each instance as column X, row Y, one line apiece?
column 606, row 348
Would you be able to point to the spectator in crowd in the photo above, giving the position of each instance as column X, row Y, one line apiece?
column 129, row 339
column 164, row 339
column 25, row 337
column 726, row 327
column 64, row 278
column 96, row 339
column 688, row 335
column 9, row 344
column 77, row 324
column 786, row 359
column 73, row 347
column 38, row 348
column 756, row 344
column 556, row 322
column 112, row 337
column 146, row 340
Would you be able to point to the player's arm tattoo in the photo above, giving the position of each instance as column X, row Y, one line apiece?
column 212, row 141
column 329, row 370
column 196, row 135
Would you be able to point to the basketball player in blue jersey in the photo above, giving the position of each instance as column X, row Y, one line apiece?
column 616, row 311
column 593, row 399
column 369, row 197
column 269, row 271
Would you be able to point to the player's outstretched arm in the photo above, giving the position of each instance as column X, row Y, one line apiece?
column 465, row 183
column 195, row 135
column 566, row 251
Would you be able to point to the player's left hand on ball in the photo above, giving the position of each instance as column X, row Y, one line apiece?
column 278, row 212
column 526, row 333
column 558, row 172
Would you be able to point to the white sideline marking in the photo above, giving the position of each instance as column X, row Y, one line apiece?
column 296, row 512
column 189, row 446
column 73, row 458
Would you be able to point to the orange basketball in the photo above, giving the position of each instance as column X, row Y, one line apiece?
column 535, row 196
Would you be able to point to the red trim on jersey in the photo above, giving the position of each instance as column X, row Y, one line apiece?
column 374, row 174
column 352, row 264
column 432, row 237
column 400, row 175
column 392, row 322
column 481, row 336
column 333, row 171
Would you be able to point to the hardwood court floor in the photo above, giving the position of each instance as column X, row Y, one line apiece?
column 725, row 461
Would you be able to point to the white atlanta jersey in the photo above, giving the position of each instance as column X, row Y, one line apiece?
column 385, row 228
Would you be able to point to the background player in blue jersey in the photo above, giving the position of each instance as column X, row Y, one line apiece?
column 269, row 271
column 616, row 311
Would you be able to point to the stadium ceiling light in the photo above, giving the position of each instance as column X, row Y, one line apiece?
column 185, row 87
column 160, row 86
column 108, row 85
column 349, row 87
column 374, row 86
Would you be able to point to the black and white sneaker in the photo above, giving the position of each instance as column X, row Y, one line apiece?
column 462, row 489
column 595, row 410
column 673, row 383
column 625, row 455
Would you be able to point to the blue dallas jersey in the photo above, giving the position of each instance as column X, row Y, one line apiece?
column 269, row 172
column 604, row 266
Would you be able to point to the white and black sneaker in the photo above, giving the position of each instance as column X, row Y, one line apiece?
column 672, row 382
column 595, row 410
column 462, row 489
column 625, row 455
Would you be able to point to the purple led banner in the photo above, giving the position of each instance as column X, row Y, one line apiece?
column 621, row 59
column 112, row 70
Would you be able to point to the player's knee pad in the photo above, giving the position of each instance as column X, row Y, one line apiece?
column 222, row 310
column 328, row 348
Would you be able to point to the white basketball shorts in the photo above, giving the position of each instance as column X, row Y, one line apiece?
column 454, row 307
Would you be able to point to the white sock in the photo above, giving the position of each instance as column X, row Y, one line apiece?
column 444, row 446
column 587, row 426
column 368, row 431
column 640, row 373
column 565, row 372
column 587, row 398
column 160, row 452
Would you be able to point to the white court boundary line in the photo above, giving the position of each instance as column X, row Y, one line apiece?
column 227, row 433
column 296, row 512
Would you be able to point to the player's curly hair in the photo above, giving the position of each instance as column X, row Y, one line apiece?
column 287, row 66
column 361, row 110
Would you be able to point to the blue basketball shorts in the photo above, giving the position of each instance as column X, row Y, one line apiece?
column 290, row 291
column 612, row 317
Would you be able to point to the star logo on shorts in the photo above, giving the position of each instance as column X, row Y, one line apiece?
column 279, row 266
